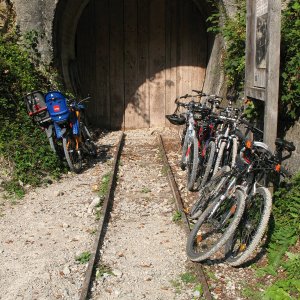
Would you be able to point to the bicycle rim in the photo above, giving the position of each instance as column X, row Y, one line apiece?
column 215, row 226
column 90, row 147
column 192, row 163
column 209, row 192
column 206, row 166
column 73, row 155
column 251, row 229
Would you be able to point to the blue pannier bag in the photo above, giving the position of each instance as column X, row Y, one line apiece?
column 57, row 106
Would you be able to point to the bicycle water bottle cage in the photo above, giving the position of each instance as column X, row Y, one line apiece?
column 57, row 106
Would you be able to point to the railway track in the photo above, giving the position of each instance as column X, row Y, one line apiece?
column 148, row 205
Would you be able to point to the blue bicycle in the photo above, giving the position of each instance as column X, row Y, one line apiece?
column 68, row 117
column 64, row 122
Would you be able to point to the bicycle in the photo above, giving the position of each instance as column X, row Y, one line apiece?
column 190, row 151
column 69, row 124
column 254, row 222
column 229, row 193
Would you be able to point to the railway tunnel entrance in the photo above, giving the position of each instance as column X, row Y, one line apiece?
column 133, row 57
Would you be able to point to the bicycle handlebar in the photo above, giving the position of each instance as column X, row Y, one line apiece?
column 251, row 127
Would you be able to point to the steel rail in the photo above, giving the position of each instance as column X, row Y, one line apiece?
column 107, row 204
column 179, row 204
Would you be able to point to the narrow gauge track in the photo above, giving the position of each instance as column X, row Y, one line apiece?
column 89, row 286
column 179, row 203
column 102, row 223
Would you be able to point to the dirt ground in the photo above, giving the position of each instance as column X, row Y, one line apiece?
column 143, row 257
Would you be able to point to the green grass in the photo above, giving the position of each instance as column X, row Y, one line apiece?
column 103, row 269
column 177, row 217
column 188, row 278
column 145, row 190
column 104, row 185
column 84, row 257
column 176, row 284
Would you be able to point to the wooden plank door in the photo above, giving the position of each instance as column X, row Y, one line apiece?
column 136, row 56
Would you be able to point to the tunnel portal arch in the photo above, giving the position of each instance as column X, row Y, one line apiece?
column 134, row 57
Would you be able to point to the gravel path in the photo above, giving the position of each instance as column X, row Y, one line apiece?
column 42, row 235
column 225, row 282
column 143, row 256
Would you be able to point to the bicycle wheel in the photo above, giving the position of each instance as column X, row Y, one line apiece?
column 215, row 226
column 209, row 192
column 73, row 155
column 233, row 152
column 192, row 162
column 219, row 157
column 251, row 229
column 183, row 161
column 206, row 165
column 88, row 144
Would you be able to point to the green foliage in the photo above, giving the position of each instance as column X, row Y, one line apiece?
column 290, row 60
column 292, row 265
column 104, row 186
column 287, row 224
column 22, row 143
column 103, row 269
column 177, row 217
column 285, row 234
column 250, row 111
column 233, row 31
column 282, row 290
column 84, row 257
column 188, row 278
column 145, row 190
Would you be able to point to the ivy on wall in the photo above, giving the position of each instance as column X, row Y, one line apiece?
column 233, row 30
column 290, row 60
column 22, row 143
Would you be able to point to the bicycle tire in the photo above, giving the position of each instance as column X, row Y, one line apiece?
column 91, row 148
column 183, row 152
column 72, row 155
column 234, row 149
column 207, row 164
column 238, row 257
column 235, row 208
column 192, row 163
column 209, row 192
column 219, row 157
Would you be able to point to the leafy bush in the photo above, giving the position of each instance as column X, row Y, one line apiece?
column 290, row 60
column 233, row 31
column 287, row 222
column 21, row 143
column 286, row 234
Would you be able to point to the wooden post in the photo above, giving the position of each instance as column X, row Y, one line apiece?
column 263, row 60
column 273, row 67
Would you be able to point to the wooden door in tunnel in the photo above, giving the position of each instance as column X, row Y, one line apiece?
column 135, row 56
